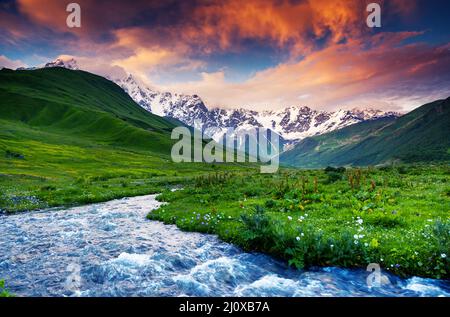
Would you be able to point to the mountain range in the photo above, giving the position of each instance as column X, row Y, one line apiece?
column 292, row 124
column 55, row 105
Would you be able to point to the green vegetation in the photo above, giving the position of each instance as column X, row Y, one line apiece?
column 41, row 168
column 65, row 174
column 82, row 105
column 71, row 138
column 398, row 216
column 423, row 135
column 3, row 291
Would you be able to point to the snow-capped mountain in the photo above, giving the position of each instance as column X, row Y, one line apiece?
column 296, row 123
column 188, row 109
column 292, row 123
column 69, row 63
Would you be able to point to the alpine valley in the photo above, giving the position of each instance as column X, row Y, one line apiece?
column 292, row 123
column 70, row 138
column 224, row 148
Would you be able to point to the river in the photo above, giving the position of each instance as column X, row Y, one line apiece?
column 111, row 249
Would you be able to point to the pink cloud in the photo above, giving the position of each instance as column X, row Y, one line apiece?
column 5, row 62
column 342, row 75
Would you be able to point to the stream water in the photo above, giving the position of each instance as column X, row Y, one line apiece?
column 111, row 249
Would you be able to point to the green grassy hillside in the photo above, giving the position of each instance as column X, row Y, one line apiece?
column 422, row 135
column 82, row 104
column 71, row 137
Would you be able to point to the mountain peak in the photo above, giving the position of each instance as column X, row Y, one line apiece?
column 69, row 63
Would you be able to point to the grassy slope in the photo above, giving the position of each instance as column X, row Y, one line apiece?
column 82, row 104
column 422, row 135
column 70, row 137
column 330, row 148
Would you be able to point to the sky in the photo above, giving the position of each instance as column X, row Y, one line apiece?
column 254, row 54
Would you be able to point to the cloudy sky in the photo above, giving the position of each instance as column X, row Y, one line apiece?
column 256, row 54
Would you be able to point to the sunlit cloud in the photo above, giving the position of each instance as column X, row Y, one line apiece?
column 345, row 75
column 322, row 53
column 12, row 64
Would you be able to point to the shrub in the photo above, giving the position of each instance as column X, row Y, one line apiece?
column 165, row 196
column 48, row 188
column 334, row 169
column 385, row 221
column 3, row 291
column 257, row 230
column 334, row 174
column 13, row 155
column 402, row 170
column 333, row 177
column 441, row 232
column 270, row 203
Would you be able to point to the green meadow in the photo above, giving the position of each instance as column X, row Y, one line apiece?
column 397, row 216
column 68, row 170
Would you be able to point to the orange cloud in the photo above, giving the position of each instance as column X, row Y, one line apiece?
column 222, row 24
column 47, row 12
column 342, row 75
column 217, row 25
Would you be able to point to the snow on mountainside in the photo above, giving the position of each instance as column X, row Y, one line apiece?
column 292, row 123
column 69, row 63
column 185, row 108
